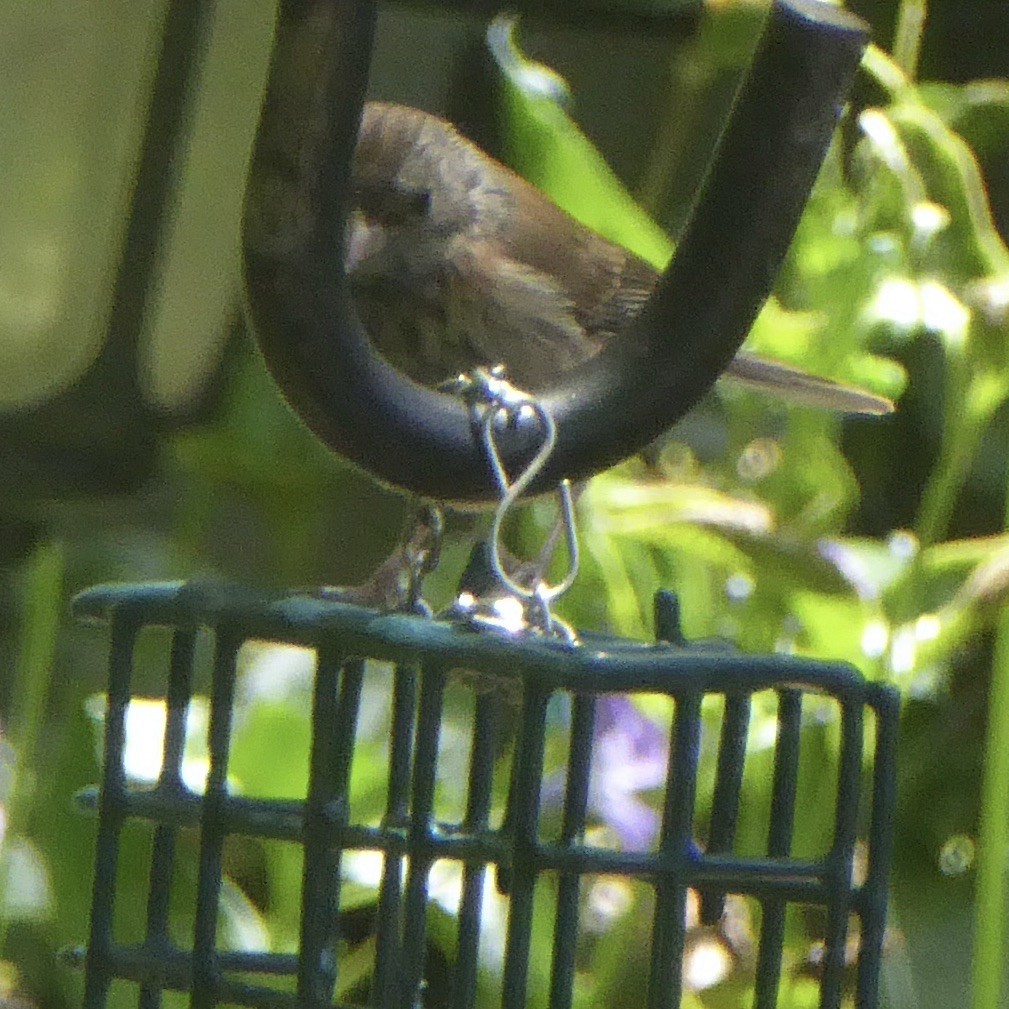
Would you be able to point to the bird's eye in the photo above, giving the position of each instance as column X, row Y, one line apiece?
column 392, row 204
column 413, row 202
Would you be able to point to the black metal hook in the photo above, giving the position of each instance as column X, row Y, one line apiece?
column 424, row 441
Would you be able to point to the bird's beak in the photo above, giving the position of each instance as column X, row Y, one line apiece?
column 365, row 241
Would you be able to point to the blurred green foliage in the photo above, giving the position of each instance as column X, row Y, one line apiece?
column 881, row 543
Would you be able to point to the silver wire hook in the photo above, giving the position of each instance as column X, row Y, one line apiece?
column 500, row 402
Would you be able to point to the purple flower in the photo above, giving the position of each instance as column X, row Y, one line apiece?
column 630, row 755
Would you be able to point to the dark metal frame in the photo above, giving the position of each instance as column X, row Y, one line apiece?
column 424, row 653
column 422, row 440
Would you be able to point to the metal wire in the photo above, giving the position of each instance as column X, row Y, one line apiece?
column 497, row 404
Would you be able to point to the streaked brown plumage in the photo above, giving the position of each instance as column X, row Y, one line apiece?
column 455, row 261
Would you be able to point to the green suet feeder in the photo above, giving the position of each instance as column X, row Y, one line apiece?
column 534, row 865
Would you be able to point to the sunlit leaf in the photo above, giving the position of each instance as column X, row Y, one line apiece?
column 546, row 147
column 971, row 245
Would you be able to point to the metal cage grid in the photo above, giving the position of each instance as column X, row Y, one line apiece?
column 410, row 838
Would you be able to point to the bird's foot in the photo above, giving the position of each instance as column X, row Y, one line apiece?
column 396, row 584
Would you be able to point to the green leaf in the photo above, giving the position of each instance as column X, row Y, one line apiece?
column 545, row 146
column 971, row 246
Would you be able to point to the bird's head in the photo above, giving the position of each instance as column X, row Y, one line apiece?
column 417, row 188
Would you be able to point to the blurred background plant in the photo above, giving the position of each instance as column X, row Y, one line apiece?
column 142, row 439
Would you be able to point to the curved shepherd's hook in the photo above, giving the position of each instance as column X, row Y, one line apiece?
column 424, row 441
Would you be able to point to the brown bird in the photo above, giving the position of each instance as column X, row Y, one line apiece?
column 455, row 261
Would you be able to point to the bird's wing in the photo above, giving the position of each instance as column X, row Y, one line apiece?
column 516, row 315
column 544, row 321
column 635, row 282
column 624, row 286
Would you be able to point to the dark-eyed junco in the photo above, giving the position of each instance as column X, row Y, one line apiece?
column 456, row 262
